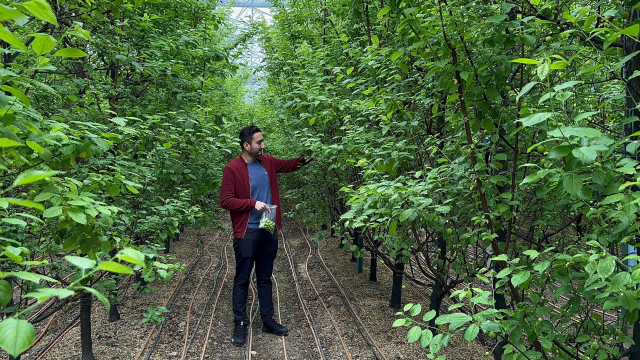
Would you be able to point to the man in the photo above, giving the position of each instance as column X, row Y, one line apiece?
column 249, row 185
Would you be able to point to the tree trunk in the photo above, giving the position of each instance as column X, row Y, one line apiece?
column 396, row 288
column 373, row 269
column 114, row 315
column 354, row 242
column 85, row 327
column 167, row 245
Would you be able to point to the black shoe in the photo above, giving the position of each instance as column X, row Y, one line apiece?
column 272, row 327
column 239, row 333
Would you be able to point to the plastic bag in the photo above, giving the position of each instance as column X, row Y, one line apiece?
column 268, row 220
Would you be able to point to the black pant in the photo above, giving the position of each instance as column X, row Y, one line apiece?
column 259, row 247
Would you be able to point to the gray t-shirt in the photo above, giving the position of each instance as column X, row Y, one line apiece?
column 260, row 190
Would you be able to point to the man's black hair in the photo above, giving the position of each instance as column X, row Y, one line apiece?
column 246, row 134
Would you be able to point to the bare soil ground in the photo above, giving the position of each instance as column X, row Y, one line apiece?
column 129, row 339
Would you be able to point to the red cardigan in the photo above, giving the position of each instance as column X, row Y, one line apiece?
column 235, row 192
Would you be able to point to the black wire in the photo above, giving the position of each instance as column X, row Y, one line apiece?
column 304, row 303
column 253, row 318
column 46, row 348
column 344, row 296
column 173, row 298
column 215, row 282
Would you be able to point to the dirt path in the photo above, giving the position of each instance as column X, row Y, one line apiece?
column 336, row 327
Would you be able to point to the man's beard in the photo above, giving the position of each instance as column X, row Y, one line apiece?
column 256, row 153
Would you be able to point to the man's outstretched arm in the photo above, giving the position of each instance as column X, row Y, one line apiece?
column 284, row 166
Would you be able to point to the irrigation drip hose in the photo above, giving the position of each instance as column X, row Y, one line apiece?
column 304, row 303
column 315, row 289
column 173, row 298
column 213, row 288
column 53, row 341
column 215, row 303
column 374, row 348
column 284, row 346
column 254, row 290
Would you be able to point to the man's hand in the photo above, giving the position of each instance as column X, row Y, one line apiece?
column 260, row 206
column 304, row 161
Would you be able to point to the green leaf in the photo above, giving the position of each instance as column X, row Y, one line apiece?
column 414, row 334
column 408, row 306
column 572, row 183
column 396, row 55
column 429, row 315
column 118, row 120
column 405, row 214
column 520, row 278
column 132, row 189
column 436, row 344
column 114, row 190
column 53, row 211
column 31, row 176
column 82, row 263
column 375, row 40
column 628, row 300
column 6, row 293
column 78, row 216
column 45, row 294
column 16, row 336
column 453, row 318
column 543, row 69
column 565, row 85
column 497, row 19
column 4, row 142
column 531, row 253
column 8, row 37
column 35, row 147
column 399, row 322
column 585, row 154
column 32, row 277
column 131, row 255
column 536, row 118
column 43, row 44
column 471, row 333
column 18, row 94
column 383, row 12
column 99, row 295
column 70, row 53
column 612, row 199
column 114, row 267
column 415, row 309
column 606, row 267
column 25, row 203
column 631, row 30
column 504, row 272
column 542, row 266
column 567, row 131
column 14, row 221
column 7, row 13
column 425, row 338
column 349, row 70
column 526, row 89
column 393, row 227
column 524, row 61
column 41, row 10
column 559, row 152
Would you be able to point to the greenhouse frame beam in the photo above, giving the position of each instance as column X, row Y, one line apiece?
column 247, row 3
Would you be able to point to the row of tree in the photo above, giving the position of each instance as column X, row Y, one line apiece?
column 489, row 144
column 112, row 123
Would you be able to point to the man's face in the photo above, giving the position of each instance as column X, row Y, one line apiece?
column 257, row 144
